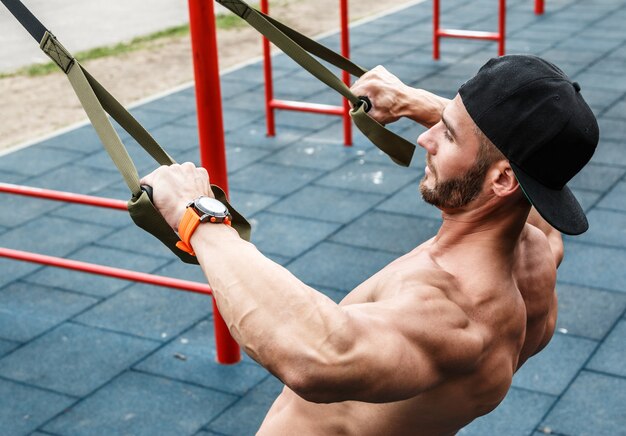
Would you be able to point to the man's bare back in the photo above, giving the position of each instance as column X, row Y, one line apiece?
column 500, row 309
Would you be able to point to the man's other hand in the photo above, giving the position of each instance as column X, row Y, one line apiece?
column 175, row 186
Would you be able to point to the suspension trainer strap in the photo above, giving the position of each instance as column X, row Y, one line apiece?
column 98, row 102
column 300, row 48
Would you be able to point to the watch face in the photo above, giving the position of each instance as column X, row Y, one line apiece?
column 211, row 206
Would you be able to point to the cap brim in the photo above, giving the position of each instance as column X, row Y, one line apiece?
column 558, row 207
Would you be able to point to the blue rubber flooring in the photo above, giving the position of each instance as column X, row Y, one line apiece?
column 88, row 355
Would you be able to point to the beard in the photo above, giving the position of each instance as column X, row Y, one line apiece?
column 457, row 192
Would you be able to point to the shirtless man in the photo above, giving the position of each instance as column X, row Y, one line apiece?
column 432, row 340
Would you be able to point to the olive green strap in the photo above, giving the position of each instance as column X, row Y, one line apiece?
column 97, row 102
column 298, row 46
column 128, row 122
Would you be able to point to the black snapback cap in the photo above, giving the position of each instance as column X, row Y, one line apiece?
column 535, row 115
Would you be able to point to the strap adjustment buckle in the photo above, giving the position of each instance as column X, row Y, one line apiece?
column 55, row 51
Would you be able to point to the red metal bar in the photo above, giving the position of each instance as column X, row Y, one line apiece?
column 211, row 131
column 118, row 273
column 539, row 7
column 501, row 27
column 469, row 34
column 345, row 52
column 269, row 81
column 436, row 38
column 499, row 36
column 208, row 93
column 307, row 107
column 272, row 104
column 68, row 197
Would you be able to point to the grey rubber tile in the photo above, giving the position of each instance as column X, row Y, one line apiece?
column 598, row 267
column 79, row 359
column 338, row 266
column 24, row 408
column 82, row 140
column 192, row 358
column 246, row 415
column 238, row 157
column 16, row 209
column 6, row 347
column 269, row 234
column 272, row 179
column 611, row 356
column 254, row 135
column 593, row 405
column 28, row 310
column 150, row 312
column 75, row 178
column 388, row 232
column 249, row 203
column 587, row 312
column 13, row 270
column 605, row 228
column 552, row 370
column 36, row 160
column 49, row 235
column 135, row 240
column 329, row 204
column 312, row 154
column 610, row 152
column 596, row 177
column 175, row 138
column 615, row 198
column 612, row 129
column 142, row 405
column 368, row 178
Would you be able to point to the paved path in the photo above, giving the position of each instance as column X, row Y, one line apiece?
column 85, row 355
column 108, row 22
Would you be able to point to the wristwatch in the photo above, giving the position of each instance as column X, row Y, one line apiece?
column 201, row 210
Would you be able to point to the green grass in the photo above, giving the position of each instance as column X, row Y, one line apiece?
column 223, row 21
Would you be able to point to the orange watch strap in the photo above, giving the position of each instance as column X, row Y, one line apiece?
column 186, row 227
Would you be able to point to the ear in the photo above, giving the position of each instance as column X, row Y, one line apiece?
column 503, row 180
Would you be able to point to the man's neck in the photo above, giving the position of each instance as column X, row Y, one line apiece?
column 492, row 223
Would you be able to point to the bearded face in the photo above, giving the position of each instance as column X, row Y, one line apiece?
column 455, row 192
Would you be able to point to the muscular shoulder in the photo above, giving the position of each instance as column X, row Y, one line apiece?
column 440, row 322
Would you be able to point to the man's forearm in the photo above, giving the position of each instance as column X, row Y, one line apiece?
column 422, row 106
column 277, row 319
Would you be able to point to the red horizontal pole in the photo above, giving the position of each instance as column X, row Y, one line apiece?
column 68, row 197
column 469, row 34
column 108, row 271
column 307, row 107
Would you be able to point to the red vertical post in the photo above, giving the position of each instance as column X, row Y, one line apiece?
column 269, row 81
column 208, row 94
column 436, row 12
column 501, row 27
column 211, row 132
column 539, row 7
column 345, row 51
